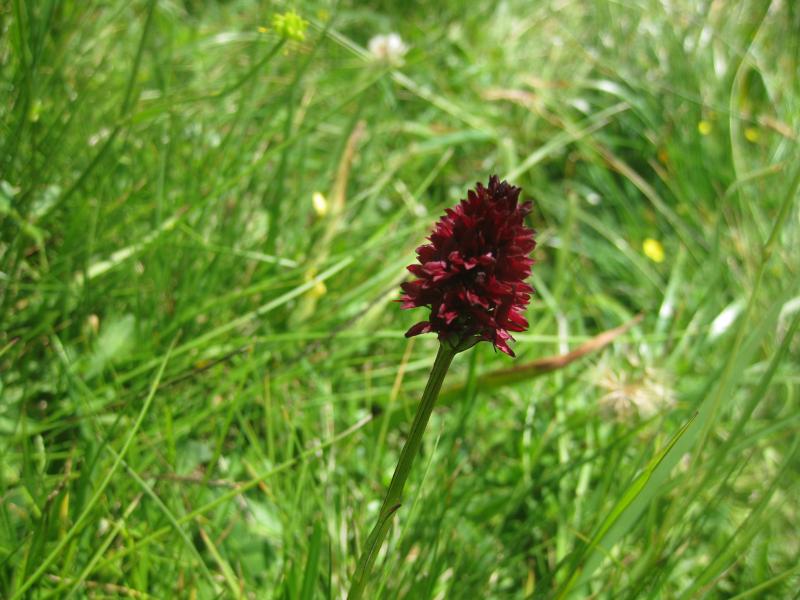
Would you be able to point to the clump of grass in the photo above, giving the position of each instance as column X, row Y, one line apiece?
column 170, row 427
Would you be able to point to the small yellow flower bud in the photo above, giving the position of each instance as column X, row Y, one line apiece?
column 704, row 127
column 320, row 204
column 319, row 288
column 751, row 134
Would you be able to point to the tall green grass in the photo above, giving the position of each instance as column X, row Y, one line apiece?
column 203, row 382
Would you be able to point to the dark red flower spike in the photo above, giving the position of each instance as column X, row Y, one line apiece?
column 472, row 273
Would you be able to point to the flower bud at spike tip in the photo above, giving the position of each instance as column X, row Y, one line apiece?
column 472, row 273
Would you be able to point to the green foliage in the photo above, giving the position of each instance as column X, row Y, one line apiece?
column 201, row 373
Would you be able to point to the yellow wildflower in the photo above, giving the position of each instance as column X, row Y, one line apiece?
column 290, row 25
column 653, row 250
column 751, row 133
column 320, row 204
column 704, row 127
column 319, row 289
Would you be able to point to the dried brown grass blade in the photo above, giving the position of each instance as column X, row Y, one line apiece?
column 548, row 364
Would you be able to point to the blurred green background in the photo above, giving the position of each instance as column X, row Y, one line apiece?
column 206, row 209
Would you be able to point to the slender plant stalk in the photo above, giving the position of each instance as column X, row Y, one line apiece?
column 407, row 455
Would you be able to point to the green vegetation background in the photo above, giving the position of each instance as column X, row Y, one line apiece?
column 204, row 382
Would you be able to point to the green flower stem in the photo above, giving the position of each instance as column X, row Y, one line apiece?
column 407, row 455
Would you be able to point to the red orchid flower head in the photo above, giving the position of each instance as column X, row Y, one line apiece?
column 472, row 273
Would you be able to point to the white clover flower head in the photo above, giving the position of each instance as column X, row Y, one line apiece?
column 388, row 48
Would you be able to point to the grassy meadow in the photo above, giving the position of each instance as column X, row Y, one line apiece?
column 206, row 210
